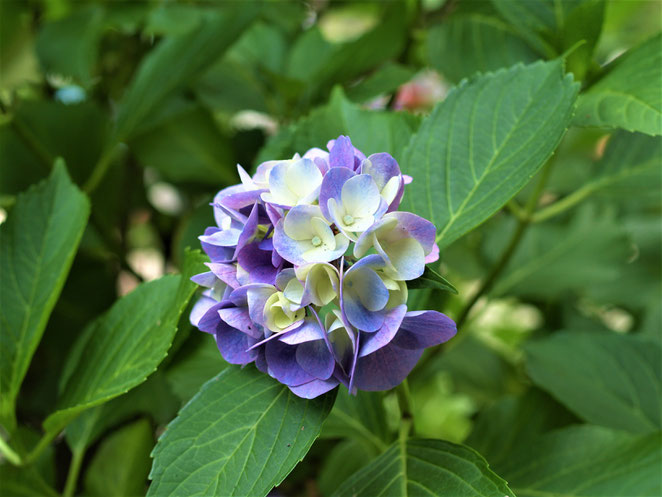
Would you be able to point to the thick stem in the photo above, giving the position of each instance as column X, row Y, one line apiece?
column 406, row 411
column 9, row 453
column 40, row 447
column 99, row 171
column 74, row 471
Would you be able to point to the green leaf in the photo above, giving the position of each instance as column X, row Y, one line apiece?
column 240, row 435
column 432, row 279
column 482, row 144
column 37, row 246
column 322, row 64
column 386, row 79
column 370, row 131
column 553, row 259
column 426, row 467
column 176, row 60
column 188, row 147
column 628, row 96
column 198, row 365
column 552, row 27
column 121, row 463
column 361, row 417
column 475, row 42
column 341, row 462
column 586, row 461
column 152, row 398
column 515, row 422
column 68, row 47
column 606, row 379
column 120, row 349
column 75, row 132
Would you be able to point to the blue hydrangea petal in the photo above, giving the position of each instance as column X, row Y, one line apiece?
column 314, row 388
column 421, row 329
column 382, row 337
column 238, row 318
column 234, row 345
column 283, row 365
column 316, row 359
column 385, row 368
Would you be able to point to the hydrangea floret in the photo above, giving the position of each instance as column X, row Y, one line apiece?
column 310, row 260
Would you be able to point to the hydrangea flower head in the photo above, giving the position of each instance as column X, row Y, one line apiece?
column 308, row 271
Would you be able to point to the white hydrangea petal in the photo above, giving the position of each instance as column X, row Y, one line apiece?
column 360, row 196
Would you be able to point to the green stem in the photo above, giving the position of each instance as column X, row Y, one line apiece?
column 564, row 204
column 406, row 411
column 45, row 441
column 74, row 471
column 99, row 170
column 9, row 453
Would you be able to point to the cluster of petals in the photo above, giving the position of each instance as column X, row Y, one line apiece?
column 310, row 260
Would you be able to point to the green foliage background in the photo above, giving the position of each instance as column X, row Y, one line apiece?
column 532, row 131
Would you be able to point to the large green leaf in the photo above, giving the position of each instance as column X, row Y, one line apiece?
column 176, row 60
column 370, row 131
column 121, row 464
column 361, row 417
column 475, row 42
column 68, row 47
column 607, row 379
column 321, row 64
column 426, row 468
column 37, row 246
column 481, row 145
column 586, row 461
column 120, row 349
column 552, row 259
column 188, row 147
column 553, row 27
column 240, row 435
column 152, row 398
column 514, row 422
column 629, row 95
column 195, row 366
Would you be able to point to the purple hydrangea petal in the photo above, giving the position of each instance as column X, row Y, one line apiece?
column 234, row 345
column 283, row 365
column 382, row 337
column 314, row 388
column 362, row 318
column 200, row 308
column 238, row 318
column 385, row 369
column 261, row 361
column 382, row 167
column 308, row 331
column 249, row 231
column 210, row 319
column 341, row 153
column 222, row 238
column 433, row 256
column 258, row 264
column 316, row 359
column 216, row 253
column 227, row 273
column 332, row 188
column 421, row 329
column 207, row 279
column 418, row 228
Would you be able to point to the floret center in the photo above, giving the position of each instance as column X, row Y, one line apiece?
column 348, row 220
column 316, row 241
